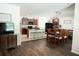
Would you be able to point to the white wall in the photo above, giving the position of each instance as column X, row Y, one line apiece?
column 30, row 9
column 63, row 15
column 41, row 22
column 44, row 18
column 75, row 43
column 66, row 15
column 15, row 12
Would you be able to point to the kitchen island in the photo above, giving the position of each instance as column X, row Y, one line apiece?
column 36, row 34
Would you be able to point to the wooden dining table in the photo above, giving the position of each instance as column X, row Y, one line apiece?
column 62, row 34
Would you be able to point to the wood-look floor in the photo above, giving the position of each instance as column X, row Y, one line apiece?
column 40, row 48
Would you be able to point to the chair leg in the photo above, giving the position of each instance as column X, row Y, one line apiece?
column 55, row 43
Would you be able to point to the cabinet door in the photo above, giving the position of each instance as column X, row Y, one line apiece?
column 12, row 41
column 24, row 31
column 35, row 22
column 3, row 42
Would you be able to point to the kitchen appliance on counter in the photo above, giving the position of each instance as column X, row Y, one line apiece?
column 30, row 27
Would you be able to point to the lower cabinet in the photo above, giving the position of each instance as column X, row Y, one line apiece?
column 12, row 41
column 37, row 35
column 8, row 41
column 3, row 42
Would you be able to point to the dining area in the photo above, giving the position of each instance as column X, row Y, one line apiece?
column 58, row 36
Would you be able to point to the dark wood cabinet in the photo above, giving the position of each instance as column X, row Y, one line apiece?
column 11, row 41
column 24, row 31
column 8, row 41
column 3, row 42
column 35, row 22
column 28, row 21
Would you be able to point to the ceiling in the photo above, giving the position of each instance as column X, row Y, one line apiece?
column 36, row 9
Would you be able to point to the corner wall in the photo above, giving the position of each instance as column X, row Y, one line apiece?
column 66, row 17
column 75, row 43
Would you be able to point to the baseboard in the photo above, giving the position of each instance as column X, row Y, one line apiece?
column 75, row 52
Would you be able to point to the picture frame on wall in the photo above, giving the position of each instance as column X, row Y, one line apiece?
column 5, row 17
column 67, row 21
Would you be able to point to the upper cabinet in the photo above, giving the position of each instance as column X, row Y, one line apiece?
column 28, row 21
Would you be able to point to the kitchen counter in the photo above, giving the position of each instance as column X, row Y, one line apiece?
column 36, row 34
column 36, row 30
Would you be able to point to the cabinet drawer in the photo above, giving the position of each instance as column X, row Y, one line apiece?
column 12, row 41
column 12, row 37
